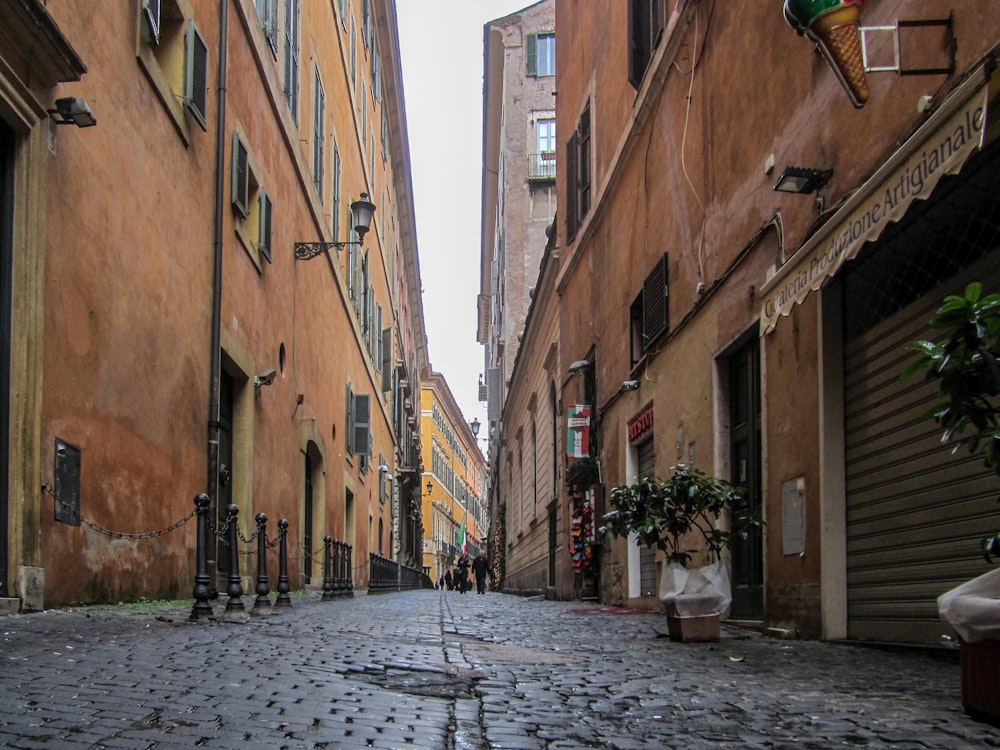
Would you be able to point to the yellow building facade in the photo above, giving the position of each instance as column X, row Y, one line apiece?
column 454, row 481
column 169, row 326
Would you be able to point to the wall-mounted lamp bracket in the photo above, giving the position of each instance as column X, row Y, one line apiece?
column 309, row 250
column 898, row 65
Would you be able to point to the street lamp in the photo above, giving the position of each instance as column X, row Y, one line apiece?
column 475, row 424
column 362, row 210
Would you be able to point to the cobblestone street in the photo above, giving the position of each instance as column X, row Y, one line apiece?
column 429, row 669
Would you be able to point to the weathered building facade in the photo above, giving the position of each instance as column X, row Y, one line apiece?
column 169, row 332
column 710, row 317
column 518, row 198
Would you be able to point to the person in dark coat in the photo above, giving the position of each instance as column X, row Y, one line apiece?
column 480, row 569
column 462, row 573
column 448, row 580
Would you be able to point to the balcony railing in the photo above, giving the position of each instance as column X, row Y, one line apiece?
column 542, row 166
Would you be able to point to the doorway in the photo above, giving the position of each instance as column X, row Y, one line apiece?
column 746, row 463
column 225, row 498
column 6, row 287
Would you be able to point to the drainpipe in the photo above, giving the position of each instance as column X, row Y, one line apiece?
column 220, row 205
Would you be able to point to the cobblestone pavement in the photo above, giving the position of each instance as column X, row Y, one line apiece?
column 429, row 669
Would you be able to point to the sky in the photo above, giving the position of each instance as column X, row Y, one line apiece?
column 441, row 48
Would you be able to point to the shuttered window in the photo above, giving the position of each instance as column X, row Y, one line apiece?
column 319, row 134
column 291, row 82
column 646, row 21
column 241, row 176
column 264, row 239
column 196, row 75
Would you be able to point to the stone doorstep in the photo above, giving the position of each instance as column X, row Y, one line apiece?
column 9, row 605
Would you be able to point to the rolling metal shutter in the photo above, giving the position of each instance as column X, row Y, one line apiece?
column 916, row 511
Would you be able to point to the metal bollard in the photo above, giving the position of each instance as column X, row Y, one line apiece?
column 335, row 569
column 349, row 572
column 327, row 571
column 262, row 604
column 235, row 611
column 202, row 588
column 283, row 599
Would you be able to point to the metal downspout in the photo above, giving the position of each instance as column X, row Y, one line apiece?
column 216, row 357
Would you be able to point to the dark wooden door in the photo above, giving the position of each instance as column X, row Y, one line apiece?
column 745, row 453
column 6, row 266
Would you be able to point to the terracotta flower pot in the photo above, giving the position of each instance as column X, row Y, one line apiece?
column 693, row 629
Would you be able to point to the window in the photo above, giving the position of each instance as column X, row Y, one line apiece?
column 649, row 315
column 354, row 55
column 358, row 423
column 343, row 13
column 367, row 27
column 578, row 175
column 173, row 54
column 319, row 134
column 267, row 12
column 252, row 204
column 541, row 54
column 196, row 75
column 646, row 21
column 545, row 157
column 291, row 82
column 337, row 168
column 241, row 176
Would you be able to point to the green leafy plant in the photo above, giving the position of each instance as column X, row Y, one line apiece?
column 963, row 363
column 665, row 514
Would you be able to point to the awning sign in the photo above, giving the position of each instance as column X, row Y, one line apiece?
column 943, row 150
column 578, row 434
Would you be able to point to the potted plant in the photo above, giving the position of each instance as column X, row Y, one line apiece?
column 680, row 516
column 964, row 365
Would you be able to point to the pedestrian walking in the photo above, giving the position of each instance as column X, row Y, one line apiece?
column 462, row 573
column 480, row 569
column 448, row 580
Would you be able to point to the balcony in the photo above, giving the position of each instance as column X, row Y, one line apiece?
column 542, row 166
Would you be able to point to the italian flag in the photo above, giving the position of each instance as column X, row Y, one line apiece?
column 461, row 537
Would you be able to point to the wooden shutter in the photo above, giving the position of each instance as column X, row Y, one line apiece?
column 196, row 75
column 241, row 176
column 655, row 307
column 264, row 239
column 361, row 428
column 572, row 219
column 386, row 348
column 532, row 54
column 151, row 15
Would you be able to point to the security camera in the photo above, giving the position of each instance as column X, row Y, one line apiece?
column 388, row 477
column 383, row 468
column 579, row 365
column 630, row 385
column 265, row 378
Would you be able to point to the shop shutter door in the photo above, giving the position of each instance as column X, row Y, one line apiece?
column 647, row 556
column 915, row 510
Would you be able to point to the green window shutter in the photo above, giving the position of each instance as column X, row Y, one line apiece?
column 350, row 420
column 196, row 75
column 532, row 54
column 241, row 176
column 264, row 239
column 361, row 428
column 386, row 349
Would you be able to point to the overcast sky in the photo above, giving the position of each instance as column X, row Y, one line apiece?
column 441, row 46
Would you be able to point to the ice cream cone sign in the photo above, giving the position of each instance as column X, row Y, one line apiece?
column 834, row 26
